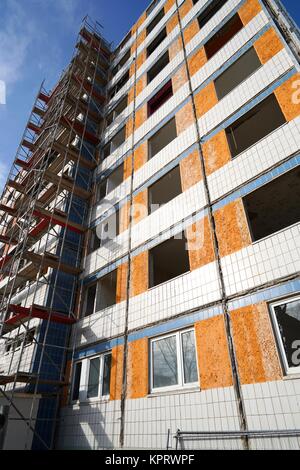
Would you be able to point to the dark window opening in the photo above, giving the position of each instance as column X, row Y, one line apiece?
column 237, row 73
column 224, row 35
column 123, row 80
column 158, row 67
column 106, row 294
column 115, row 143
column 156, row 42
column 274, row 206
column 151, row 7
column 195, row 1
column 76, row 384
column 162, row 138
column 122, row 62
column 90, row 297
column 117, row 110
column 165, row 189
column 210, row 11
column 254, row 125
column 168, row 260
column 123, row 43
column 161, row 97
column 155, row 21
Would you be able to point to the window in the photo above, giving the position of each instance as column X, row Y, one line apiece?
column 156, row 42
column 106, row 231
column 151, row 7
column 254, row 125
column 173, row 361
column 122, row 62
column 155, row 21
column 115, row 143
column 286, row 320
column 162, row 138
column 117, row 110
column 110, row 183
column 15, row 343
column 91, row 378
column 165, row 189
column 123, row 43
column 223, row 36
column 101, row 295
column 160, row 98
column 210, row 11
column 119, row 85
column 158, row 67
column 274, row 206
column 168, row 260
column 237, row 73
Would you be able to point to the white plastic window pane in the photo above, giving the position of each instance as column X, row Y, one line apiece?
column 288, row 320
column 106, row 375
column 94, row 378
column 189, row 357
column 165, row 364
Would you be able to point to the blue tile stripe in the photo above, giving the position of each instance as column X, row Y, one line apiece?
column 266, row 295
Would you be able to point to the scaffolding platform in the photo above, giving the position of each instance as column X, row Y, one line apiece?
column 27, row 378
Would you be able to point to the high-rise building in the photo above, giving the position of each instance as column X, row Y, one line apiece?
column 150, row 258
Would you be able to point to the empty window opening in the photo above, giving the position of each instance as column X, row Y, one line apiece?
column 168, row 260
column 121, row 63
column 156, row 42
column 76, row 381
column 210, row 11
column 106, row 291
column 158, row 67
column 274, row 206
column 117, row 110
column 237, row 73
column 89, row 303
column 162, row 138
column 286, row 320
column 115, row 142
column 155, row 21
column 161, row 97
column 165, row 189
column 110, row 183
column 151, row 7
column 119, row 85
column 255, row 125
column 224, row 35
column 174, row 360
column 106, row 231
column 123, row 43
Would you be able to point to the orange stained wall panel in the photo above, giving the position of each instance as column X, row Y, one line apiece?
column 185, row 8
column 200, row 244
column 288, row 96
column 168, row 5
column 140, row 156
column 179, row 79
column 249, row 10
column 140, row 206
column 141, row 116
column 184, row 118
column 216, row 152
column 232, row 228
column 137, row 369
column 122, row 282
column 255, row 345
column 197, row 61
column 205, row 99
column 124, row 217
column 67, row 388
column 213, row 356
column 139, row 274
column 175, row 48
column 127, row 167
column 116, row 374
column 190, row 31
column 190, row 170
column 268, row 45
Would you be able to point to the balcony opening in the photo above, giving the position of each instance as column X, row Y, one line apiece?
column 195, row 1
column 158, row 67
column 161, row 97
column 114, row 143
column 151, row 7
column 162, row 138
column 89, row 303
column 210, row 11
column 122, row 105
column 123, row 80
column 156, row 42
column 106, row 291
column 122, row 62
column 168, row 260
column 155, row 21
column 274, row 206
column 110, row 183
column 223, row 36
column 123, row 43
column 255, row 125
column 165, row 189
column 245, row 66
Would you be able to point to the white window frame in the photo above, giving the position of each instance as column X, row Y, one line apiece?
column 84, row 380
column 288, row 370
column 181, row 385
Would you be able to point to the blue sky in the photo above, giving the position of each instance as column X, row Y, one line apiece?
column 37, row 40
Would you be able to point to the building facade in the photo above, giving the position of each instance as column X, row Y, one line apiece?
column 177, row 268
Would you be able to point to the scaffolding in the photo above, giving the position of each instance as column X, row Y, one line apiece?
column 43, row 227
